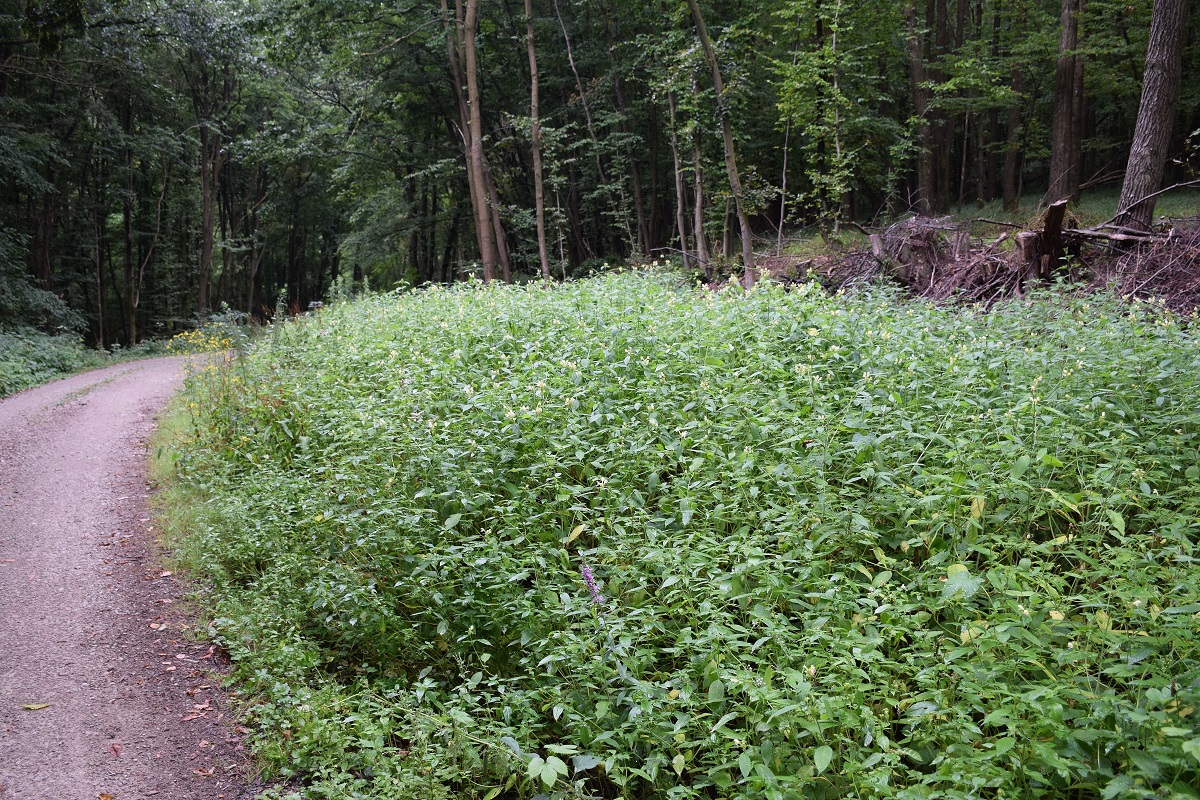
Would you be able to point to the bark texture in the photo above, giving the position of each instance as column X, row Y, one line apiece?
column 1066, row 136
column 1156, row 114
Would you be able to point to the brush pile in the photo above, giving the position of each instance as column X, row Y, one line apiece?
column 937, row 258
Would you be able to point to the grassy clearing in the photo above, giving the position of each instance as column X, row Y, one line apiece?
column 626, row 539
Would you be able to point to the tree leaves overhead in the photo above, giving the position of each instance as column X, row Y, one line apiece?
column 162, row 157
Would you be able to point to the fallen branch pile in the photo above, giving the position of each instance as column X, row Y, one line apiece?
column 935, row 257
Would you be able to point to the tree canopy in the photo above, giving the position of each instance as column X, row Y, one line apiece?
column 164, row 158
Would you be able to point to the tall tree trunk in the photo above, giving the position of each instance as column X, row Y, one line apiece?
column 42, row 245
column 488, row 216
column 460, row 43
column 635, row 175
column 750, row 275
column 702, row 253
column 1156, row 114
column 207, row 209
column 129, row 271
column 943, row 123
column 1066, row 144
column 535, row 135
column 493, row 198
column 926, row 172
column 680, row 196
column 587, row 118
column 1011, row 180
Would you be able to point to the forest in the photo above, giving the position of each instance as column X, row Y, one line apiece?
column 162, row 160
column 514, row 492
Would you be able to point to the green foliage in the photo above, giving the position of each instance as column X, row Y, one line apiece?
column 832, row 89
column 29, row 358
column 23, row 305
column 842, row 546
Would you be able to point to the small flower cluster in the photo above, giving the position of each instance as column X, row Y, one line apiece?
column 590, row 579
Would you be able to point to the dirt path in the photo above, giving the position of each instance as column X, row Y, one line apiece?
column 101, row 693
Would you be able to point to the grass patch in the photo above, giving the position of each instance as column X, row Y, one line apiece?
column 626, row 539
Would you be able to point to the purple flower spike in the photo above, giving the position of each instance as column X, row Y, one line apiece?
column 590, row 580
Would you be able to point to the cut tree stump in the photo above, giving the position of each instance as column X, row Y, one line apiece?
column 1051, row 239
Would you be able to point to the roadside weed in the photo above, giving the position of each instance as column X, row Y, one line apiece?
column 626, row 539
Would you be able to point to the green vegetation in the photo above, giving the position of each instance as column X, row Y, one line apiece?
column 160, row 158
column 843, row 546
column 29, row 357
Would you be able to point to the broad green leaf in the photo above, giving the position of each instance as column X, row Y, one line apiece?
column 1145, row 762
column 451, row 521
column 1118, row 521
column 1019, row 468
column 582, row 763
column 821, row 757
column 1002, row 746
column 716, row 691
column 1117, row 786
column 677, row 764
column 960, row 582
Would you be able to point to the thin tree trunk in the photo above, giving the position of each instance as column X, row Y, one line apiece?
column 702, row 253
column 535, row 135
column 1156, row 114
column 207, row 208
column 750, row 275
column 837, row 113
column 460, row 39
column 635, row 176
column 787, row 135
column 680, row 197
column 943, row 124
column 962, row 172
column 587, row 118
column 128, row 311
column 488, row 221
column 916, row 75
column 497, row 226
column 98, row 264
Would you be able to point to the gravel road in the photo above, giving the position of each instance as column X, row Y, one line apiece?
column 102, row 695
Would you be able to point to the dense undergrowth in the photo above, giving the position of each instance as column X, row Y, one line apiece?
column 848, row 546
column 29, row 357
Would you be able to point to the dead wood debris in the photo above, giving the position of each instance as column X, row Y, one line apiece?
column 936, row 258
